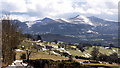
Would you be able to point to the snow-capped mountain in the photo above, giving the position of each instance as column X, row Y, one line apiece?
column 81, row 20
column 90, row 29
column 75, row 20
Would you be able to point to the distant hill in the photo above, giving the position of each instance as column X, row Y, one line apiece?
column 79, row 28
column 52, row 37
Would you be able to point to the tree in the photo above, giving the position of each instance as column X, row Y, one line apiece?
column 28, row 47
column 81, row 48
column 39, row 37
column 70, row 58
column 95, row 53
column 110, row 46
column 29, row 36
column 113, row 57
column 103, row 57
column 55, row 41
column 11, row 37
column 28, row 53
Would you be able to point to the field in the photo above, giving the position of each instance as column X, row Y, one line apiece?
column 33, row 46
column 41, row 55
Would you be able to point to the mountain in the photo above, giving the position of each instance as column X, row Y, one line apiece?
column 22, row 25
column 90, row 29
column 81, row 20
column 48, row 20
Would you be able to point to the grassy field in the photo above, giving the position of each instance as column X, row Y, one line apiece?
column 75, row 52
column 41, row 55
column 101, row 50
column 45, row 54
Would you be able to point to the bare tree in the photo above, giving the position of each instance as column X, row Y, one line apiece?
column 28, row 53
column 29, row 48
column 10, row 39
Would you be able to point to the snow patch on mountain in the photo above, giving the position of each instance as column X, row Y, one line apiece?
column 86, row 20
column 61, row 20
column 30, row 23
column 90, row 31
column 65, row 20
column 81, row 20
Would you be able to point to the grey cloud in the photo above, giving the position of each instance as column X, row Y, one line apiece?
column 8, row 6
column 110, row 5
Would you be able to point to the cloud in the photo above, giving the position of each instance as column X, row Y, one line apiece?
column 60, row 8
column 14, row 5
column 23, row 17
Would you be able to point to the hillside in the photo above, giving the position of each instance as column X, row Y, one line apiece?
column 62, row 51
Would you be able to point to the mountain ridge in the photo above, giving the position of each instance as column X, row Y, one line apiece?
column 78, row 27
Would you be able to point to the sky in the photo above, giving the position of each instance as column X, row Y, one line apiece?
column 29, row 10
